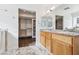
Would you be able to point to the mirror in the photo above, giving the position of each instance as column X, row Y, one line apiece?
column 67, row 17
column 46, row 22
column 64, row 17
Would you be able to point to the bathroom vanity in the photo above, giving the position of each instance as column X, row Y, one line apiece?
column 59, row 42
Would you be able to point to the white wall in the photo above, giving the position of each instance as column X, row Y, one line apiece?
column 74, row 17
column 9, row 20
column 68, row 21
column 75, row 21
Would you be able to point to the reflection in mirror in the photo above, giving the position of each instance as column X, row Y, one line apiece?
column 46, row 22
column 59, row 22
column 70, row 13
column 75, row 17
column 64, row 17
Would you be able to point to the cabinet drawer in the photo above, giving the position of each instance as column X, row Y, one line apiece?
column 64, row 38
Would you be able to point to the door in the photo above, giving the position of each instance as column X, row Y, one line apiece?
column 59, row 22
column 61, row 48
column 58, row 47
column 26, row 30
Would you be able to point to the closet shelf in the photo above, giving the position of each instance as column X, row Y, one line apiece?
column 26, row 23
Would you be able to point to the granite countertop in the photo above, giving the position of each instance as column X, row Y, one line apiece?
column 61, row 32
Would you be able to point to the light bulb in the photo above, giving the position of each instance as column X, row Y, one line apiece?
column 48, row 11
column 52, row 8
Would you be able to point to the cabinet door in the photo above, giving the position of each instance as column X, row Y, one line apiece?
column 48, row 44
column 48, row 41
column 68, row 49
column 42, row 39
column 58, row 47
column 61, row 48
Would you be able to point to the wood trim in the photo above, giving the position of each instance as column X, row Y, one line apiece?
column 76, row 45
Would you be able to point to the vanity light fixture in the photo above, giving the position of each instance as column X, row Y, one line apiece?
column 66, row 8
column 52, row 8
column 48, row 11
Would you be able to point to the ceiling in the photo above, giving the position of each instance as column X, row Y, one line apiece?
column 72, row 8
column 40, row 9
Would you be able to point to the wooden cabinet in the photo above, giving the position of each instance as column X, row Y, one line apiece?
column 45, row 39
column 42, row 38
column 56, row 44
column 58, row 47
column 76, row 45
column 61, row 48
column 48, row 40
column 68, row 49
column 60, row 44
column 63, row 38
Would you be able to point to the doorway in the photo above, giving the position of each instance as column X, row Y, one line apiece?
column 59, row 22
column 27, row 27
